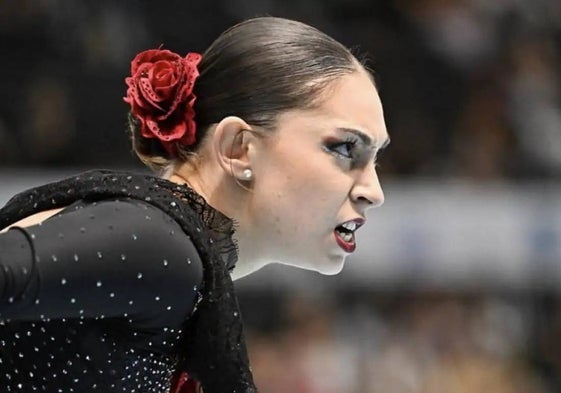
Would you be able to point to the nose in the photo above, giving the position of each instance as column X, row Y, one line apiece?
column 367, row 190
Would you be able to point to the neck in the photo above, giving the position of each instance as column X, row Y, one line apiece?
column 249, row 260
column 220, row 194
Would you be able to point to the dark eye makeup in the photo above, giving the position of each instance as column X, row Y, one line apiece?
column 350, row 149
column 345, row 149
column 354, row 148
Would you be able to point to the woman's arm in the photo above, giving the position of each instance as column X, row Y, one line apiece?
column 109, row 259
column 34, row 219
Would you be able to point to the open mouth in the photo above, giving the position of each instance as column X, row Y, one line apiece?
column 345, row 234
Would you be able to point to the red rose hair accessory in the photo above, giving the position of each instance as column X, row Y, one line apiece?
column 160, row 93
column 182, row 383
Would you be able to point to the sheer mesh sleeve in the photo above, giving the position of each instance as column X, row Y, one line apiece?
column 106, row 259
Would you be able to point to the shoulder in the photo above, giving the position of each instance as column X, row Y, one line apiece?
column 130, row 246
column 118, row 229
column 130, row 223
column 139, row 220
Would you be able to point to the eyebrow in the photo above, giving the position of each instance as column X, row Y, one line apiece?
column 366, row 139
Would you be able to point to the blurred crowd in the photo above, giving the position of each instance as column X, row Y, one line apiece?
column 471, row 88
column 403, row 343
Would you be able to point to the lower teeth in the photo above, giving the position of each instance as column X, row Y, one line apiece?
column 348, row 237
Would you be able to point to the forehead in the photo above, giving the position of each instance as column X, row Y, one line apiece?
column 352, row 101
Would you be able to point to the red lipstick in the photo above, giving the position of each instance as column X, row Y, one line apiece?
column 345, row 245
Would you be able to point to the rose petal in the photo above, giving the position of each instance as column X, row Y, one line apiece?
column 151, row 129
column 189, row 137
column 173, row 133
column 164, row 74
column 152, row 56
column 147, row 95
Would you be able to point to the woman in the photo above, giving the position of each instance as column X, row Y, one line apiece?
column 118, row 282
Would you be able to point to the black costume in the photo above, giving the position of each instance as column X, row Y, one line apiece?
column 119, row 292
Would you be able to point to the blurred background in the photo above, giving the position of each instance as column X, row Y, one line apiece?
column 455, row 286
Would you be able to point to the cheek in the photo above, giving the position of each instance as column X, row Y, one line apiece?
column 284, row 172
column 298, row 188
column 297, row 201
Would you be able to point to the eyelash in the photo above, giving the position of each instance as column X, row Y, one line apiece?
column 349, row 143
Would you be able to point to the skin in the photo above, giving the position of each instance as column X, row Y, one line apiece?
column 308, row 177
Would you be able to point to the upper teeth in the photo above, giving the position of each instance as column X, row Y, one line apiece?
column 350, row 225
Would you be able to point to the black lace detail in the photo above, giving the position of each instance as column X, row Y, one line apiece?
column 213, row 347
column 221, row 228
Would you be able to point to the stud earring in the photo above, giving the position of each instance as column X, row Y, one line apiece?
column 247, row 174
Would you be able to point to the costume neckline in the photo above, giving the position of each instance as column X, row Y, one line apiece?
column 221, row 228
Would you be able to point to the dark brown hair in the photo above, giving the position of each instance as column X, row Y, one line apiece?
column 257, row 70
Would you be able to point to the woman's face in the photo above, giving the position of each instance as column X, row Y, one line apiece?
column 315, row 173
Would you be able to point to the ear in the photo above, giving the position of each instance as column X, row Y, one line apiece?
column 232, row 144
